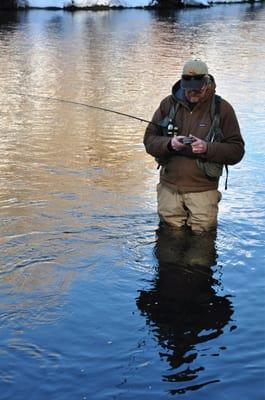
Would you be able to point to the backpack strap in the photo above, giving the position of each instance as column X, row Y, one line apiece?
column 226, row 178
column 173, row 111
column 215, row 134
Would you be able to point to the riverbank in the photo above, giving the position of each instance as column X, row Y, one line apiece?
column 112, row 4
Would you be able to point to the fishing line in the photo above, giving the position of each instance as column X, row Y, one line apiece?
column 84, row 105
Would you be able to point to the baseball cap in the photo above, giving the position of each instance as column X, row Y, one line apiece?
column 194, row 74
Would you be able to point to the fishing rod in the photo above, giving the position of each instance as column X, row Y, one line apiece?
column 85, row 105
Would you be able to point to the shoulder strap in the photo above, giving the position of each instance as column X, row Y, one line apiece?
column 216, row 133
column 173, row 111
column 226, row 178
column 215, row 107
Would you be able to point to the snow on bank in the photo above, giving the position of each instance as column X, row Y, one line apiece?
column 110, row 3
column 83, row 3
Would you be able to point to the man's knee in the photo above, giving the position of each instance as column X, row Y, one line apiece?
column 203, row 210
column 170, row 207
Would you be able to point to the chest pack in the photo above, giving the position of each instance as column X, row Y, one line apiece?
column 211, row 169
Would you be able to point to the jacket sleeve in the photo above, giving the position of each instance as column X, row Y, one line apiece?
column 155, row 143
column 231, row 148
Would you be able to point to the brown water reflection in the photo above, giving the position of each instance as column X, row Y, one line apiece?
column 57, row 145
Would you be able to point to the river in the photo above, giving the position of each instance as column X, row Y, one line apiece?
column 95, row 302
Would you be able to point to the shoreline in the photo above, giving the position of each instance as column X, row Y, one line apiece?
column 171, row 4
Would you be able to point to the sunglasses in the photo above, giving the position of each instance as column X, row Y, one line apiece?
column 193, row 77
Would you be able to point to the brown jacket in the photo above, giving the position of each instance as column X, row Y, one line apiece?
column 181, row 172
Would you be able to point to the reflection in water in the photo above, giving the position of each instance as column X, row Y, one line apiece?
column 182, row 308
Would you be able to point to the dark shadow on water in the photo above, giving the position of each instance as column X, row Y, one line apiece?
column 182, row 307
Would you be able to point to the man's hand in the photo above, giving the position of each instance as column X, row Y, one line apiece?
column 176, row 143
column 199, row 146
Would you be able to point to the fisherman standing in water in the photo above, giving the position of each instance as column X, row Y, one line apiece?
column 193, row 134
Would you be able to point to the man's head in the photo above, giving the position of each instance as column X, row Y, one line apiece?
column 195, row 79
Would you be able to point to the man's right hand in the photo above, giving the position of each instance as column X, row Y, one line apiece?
column 176, row 143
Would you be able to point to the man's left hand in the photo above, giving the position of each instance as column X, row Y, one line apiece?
column 199, row 146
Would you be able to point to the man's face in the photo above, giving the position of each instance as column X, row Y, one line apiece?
column 194, row 96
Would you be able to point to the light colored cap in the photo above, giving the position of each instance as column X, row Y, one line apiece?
column 195, row 67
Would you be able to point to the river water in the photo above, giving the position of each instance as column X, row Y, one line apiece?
column 95, row 302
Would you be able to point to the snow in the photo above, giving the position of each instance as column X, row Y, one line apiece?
column 110, row 3
column 204, row 3
column 83, row 3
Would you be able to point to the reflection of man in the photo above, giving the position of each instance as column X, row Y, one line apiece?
column 187, row 192
column 182, row 307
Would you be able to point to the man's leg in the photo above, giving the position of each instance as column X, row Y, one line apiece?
column 203, row 210
column 171, row 207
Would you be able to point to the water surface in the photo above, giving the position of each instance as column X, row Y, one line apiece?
column 95, row 301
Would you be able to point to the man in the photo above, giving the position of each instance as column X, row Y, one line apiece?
column 188, row 190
